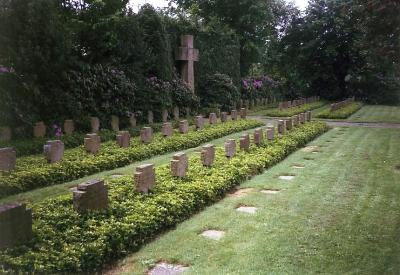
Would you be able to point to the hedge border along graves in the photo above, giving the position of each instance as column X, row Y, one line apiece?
column 65, row 241
column 344, row 112
column 33, row 171
column 276, row 112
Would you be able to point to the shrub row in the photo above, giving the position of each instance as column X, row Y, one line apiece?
column 344, row 112
column 33, row 171
column 276, row 112
column 65, row 241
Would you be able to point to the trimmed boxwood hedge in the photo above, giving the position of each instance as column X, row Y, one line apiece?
column 65, row 241
column 344, row 112
column 276, row 112
column 33, row 171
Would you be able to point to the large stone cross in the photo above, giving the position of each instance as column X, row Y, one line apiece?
column 188, row 55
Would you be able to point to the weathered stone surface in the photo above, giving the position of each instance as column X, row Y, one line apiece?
column 5, row 134
column 8, row 158
column 92, row 143
column 164, row 115
column 69, row 126
column 150, row 117
column 258, row 136
column 302, row 118
column 289, row 124
column 208, row 154
column 224, row 116
column 341, row 104
column 270, row 133
column 243, row 113
column 183, row 126
column 212, row 118
column 295, row 120
column 176, row 113
column 199, row 122
column 145, row 177
column 15, row 225
column 146, row 134
column 39, row 130
column 179, row 165
column 53, row 151
column 244, row 142
column 95, row 124
column 187, row 55
column 281, row 127
column 124, row 139
column 230, row 148
column 308, row 116
column 213, row 234
column 115, row 123
column 234, row 115
column 132, row 120
column 167, row 269
column 90, row 195
column 167, row 129
column 247, row 209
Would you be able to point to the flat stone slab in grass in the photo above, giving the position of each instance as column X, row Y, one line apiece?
column 241, row 192
column 298, row 166
column 286, row 177
column 270, row 191
column 167, row 269
column 247, row 209
column 213, row 234
column 310, row 149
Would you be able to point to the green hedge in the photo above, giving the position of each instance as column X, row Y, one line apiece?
column 276, row 112
column 68, row 242
column 33, row 171
column 344, row 112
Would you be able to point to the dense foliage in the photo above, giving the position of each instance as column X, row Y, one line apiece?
column 33, row 171
column 65, row 241
column 341, row 113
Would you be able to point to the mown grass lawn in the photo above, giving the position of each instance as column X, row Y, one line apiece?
column 339, row 215
column 377, row 113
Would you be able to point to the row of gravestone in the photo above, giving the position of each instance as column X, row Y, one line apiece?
column 54, row 149
column 40, row 128
column 250, row 103
column 297, row 102
column 341, row 104
column 16, row 220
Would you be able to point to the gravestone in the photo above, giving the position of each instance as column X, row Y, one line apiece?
column 90, row 195
column 270, row 133
column 187, row 55
column 187, row 112
column 150, row 117
column 183, row 126
column 132, row 120
column 230, row 148
column 244, row 142
column 5, row 133
column 308, row 116
column 176, row 113
column 144, row 177
column 301, row 118
column 146, row 134
column 224, row 116
column 15, row 225
column 199, row 122
column 95, row 124
column 212, row 118
column 124, row 139
column 243, row 113
column 295, row 120
column 92, row 143
column 167, row 129
column 53, row 151
column 115, row 123
column 289, row 124
column 179, row 165
column 8, row 158
column 69, row 126
column 164, row 115
column 258, row 136
column 281, row 127
column 39, row 130
column 208, row 155
column 234, row 115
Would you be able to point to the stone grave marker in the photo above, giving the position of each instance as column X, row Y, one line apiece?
column 187, row 55
column 295, row 120
column 5, row 133
column 183, row 126
column 187, row 112
column 132, row 120
column 308, row 116
column 167, row 129
column 224, row 116
column 124, row 139
column 243, row 113
column 270, row 133
column 199, row 122
column 208, row 155
column 281, row 127
column 213, row 234
column 53, row 151
column 258, row 136
column 69, row 126
column 90, row 195
column 15, row 225
column 176, row 113
column 244, row 142
column 145, row 177
column 230, row 148
column 301, row 118
column 8, row 158
column 39, row 130
column 115, row 123
column 146, row 134
column 164, row 115
column 95, row 124
column 289, row 124
column 234, row 115
column 179, row 165
column 92, row 143
column 150, row 117
column 212, row 118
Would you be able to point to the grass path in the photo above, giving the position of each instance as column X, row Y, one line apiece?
column 40, row 194
column 377, row 113
column 339, row 215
